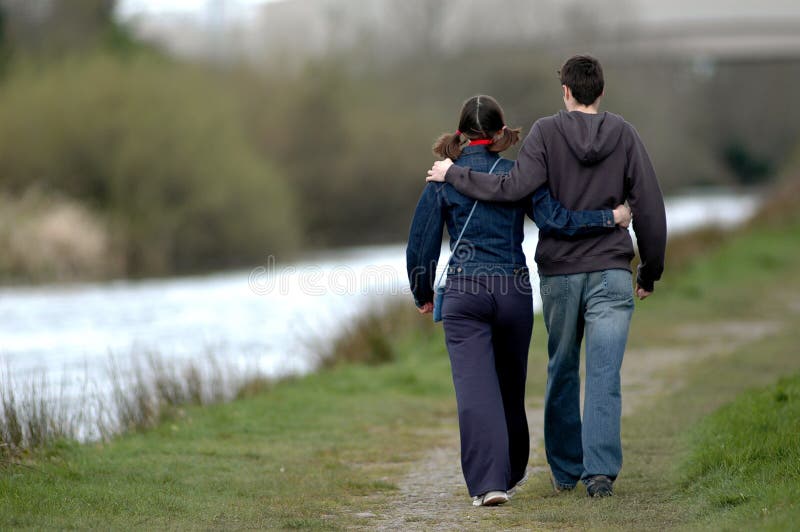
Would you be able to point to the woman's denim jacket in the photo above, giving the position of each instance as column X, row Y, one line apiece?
column 492, row 242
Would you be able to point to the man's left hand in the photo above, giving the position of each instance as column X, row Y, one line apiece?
column 427, row 308
column 439, row 170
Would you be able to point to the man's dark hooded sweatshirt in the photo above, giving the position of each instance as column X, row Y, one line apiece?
column 589, row 161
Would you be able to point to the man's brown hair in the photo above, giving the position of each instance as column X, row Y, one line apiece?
column 584, row 77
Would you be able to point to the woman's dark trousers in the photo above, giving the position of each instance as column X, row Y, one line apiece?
column 488, row 322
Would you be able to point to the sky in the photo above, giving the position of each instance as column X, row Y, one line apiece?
column 128, row 8
column 655, row 10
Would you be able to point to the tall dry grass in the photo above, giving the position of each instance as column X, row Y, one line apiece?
column 34, row 416
column 782, row 203
column 371, row 337
column 155, row 390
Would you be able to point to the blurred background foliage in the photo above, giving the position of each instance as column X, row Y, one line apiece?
column 172, row 165
column 154, row 150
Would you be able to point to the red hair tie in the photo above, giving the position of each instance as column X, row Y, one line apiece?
column 458, row 133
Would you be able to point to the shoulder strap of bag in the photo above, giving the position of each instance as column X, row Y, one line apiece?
column 453, row 252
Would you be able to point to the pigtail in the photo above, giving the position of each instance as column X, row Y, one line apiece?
column 449, row 145
column 480, row 116
column 504, row 139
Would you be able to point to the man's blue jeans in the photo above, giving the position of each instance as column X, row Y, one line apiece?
column 599, row 304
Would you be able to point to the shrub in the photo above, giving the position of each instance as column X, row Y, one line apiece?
column 46, row 238
column 371, row 337
column 158, row 149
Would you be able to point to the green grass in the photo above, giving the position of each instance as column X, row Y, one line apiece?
column 312, row 452
column 745, row 460
column 283, row 459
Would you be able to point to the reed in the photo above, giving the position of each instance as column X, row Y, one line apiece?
column 33, row 417
column 370, row 338
column 147, row 391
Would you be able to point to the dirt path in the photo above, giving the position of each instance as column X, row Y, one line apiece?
column 432, row 494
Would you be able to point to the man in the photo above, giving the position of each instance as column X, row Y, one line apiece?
column 590, row 160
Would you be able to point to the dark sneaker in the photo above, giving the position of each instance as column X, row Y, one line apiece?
column 559, row 488
column 599, row 486
column 519, row 484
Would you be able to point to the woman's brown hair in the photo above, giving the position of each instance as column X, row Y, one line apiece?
column 481, row 118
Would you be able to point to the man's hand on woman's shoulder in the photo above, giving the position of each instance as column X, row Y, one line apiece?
column 439, row 169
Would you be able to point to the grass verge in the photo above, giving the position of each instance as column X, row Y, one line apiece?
column 300, row 456
column 745, row 460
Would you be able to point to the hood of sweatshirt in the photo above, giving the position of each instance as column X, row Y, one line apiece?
column 590, row 137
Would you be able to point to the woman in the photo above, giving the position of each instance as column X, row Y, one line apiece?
column 487, row 310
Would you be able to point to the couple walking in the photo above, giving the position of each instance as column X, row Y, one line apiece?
column 574, row 172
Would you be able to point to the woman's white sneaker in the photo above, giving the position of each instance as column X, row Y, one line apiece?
column 491, row 498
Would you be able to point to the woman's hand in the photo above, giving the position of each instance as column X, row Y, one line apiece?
column 427, row 308
column 622, row 216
